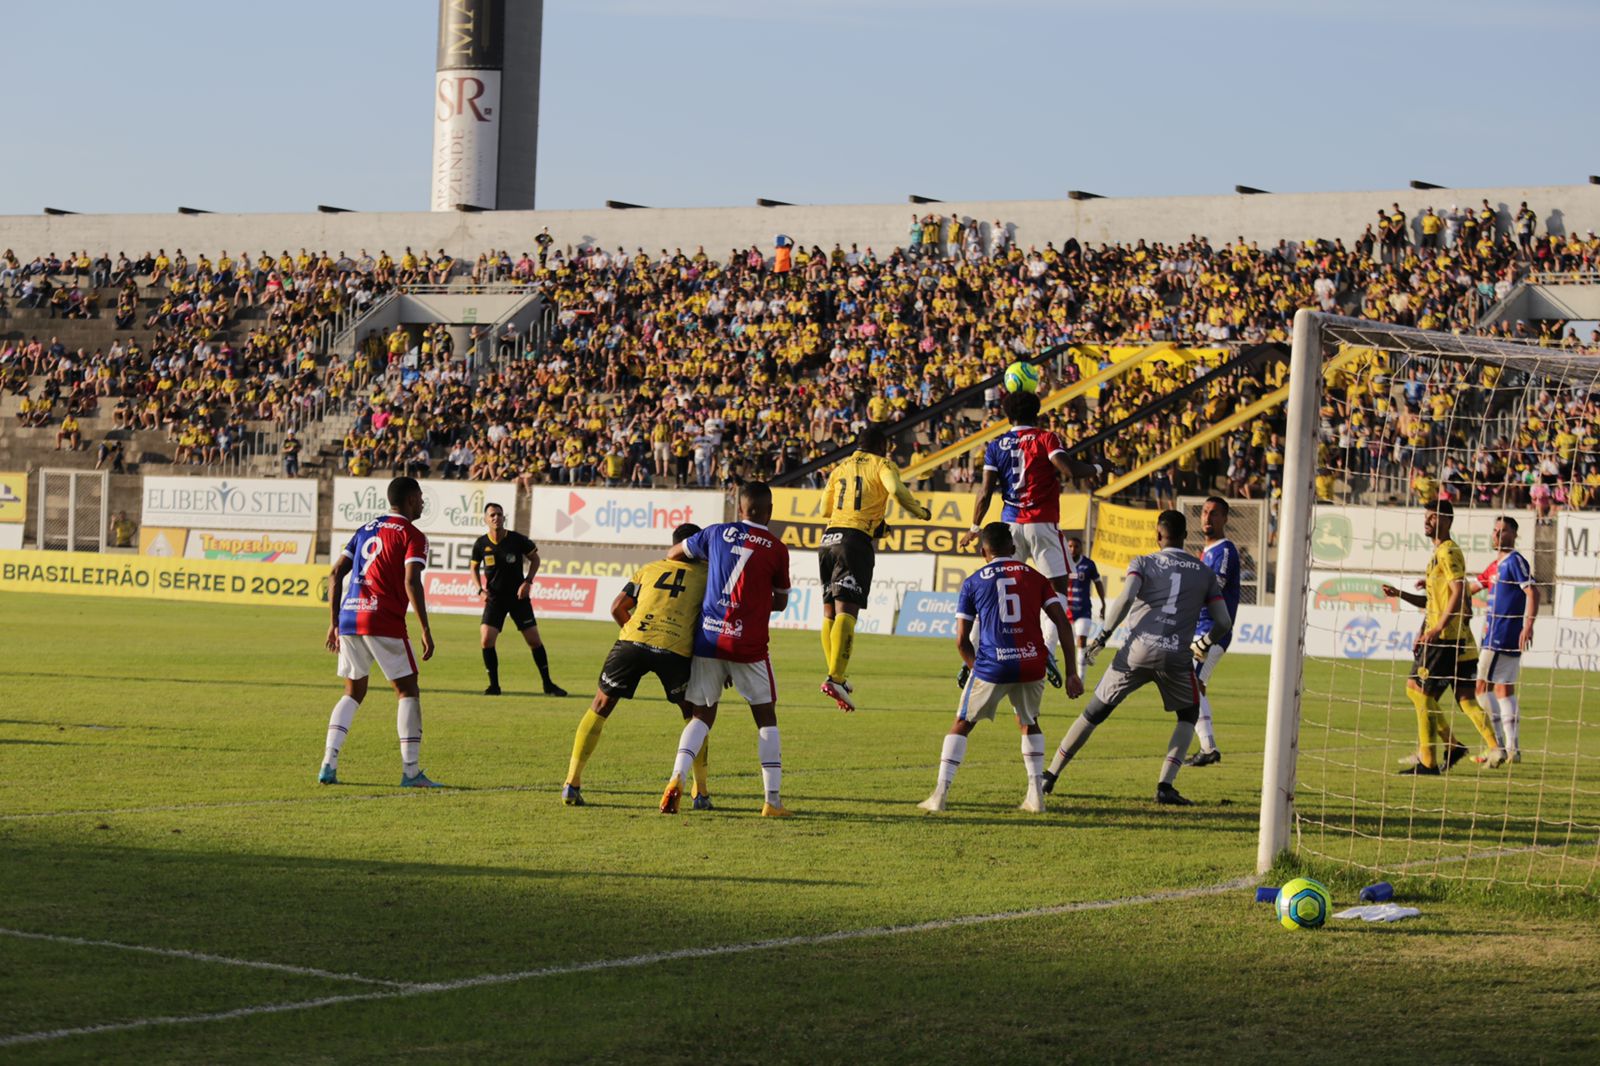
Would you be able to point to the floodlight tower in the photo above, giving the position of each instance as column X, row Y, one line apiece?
column 486, row 104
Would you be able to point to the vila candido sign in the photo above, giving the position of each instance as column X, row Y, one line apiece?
column 447, row 506
column 798, row 519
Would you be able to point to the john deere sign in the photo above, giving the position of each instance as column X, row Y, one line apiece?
column 1383, row 539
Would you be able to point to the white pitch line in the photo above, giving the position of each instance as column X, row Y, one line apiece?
column 200, row 956
column 633, row 961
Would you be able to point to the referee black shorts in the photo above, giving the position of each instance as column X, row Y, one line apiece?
column 629, row 661
column 844, row 566
column 1441, row 666
column 521, row 612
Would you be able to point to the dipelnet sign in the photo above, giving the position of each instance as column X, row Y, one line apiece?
column 448, row 507
column 274, row 504
column 619, row 516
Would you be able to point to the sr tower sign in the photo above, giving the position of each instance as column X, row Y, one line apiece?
column 486, row 104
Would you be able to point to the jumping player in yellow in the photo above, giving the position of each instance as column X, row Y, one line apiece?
column 1446, row 656
column 854, row 503
column 658, row 612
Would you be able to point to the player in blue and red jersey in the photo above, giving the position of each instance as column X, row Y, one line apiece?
column 747, row 578
column 1025, row 464
column 384, row 561
column 1222, row 557
column 1513, row 605
column 1003, row 599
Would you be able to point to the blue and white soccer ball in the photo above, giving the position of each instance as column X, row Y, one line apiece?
column 1022, row 377
column 1303, row 904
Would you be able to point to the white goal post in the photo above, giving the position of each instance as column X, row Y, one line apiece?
column 1432, row 414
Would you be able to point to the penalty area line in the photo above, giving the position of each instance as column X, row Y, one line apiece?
column 201, row 956
column 406, row 991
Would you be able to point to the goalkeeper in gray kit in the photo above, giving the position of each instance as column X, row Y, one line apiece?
column 1161, row 600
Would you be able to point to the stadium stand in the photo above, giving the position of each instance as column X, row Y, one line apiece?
column 683, row 369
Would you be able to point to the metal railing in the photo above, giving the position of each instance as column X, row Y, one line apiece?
column 1563, row 277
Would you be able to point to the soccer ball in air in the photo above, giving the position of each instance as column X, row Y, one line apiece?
column 1303, row 904
column 1022, row 377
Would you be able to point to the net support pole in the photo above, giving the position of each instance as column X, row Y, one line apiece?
column 1289, row 605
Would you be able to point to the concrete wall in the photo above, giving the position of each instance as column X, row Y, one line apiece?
column 1265, row 218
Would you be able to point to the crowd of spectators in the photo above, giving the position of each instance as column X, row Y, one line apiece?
column 684, row 369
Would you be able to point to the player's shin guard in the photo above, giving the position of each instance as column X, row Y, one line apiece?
column 583, row 744
column 827, row 644
column 1511, row 721
column 844, row 643
column 409, row 723
column 955, row 749
column 1077, row 736
column 770, row 752
column 1178, row 746
column 1480, row 720
column 1426, row 727
column 690, row 741
column 1491, row 707
column 541, row 659
column 1033, row 755
column 491, row 663
column 344, row 712
column 1202, row 727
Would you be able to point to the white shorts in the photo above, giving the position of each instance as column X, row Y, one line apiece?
column 1499, row 667
column 1083, row 627
column 1042, row 546
column 1203, row 667
column 980, row 699
column 753, row 681
column 392, row 654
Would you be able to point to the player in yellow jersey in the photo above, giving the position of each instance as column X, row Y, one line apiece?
column 1446, row 654
column 658, row 612
column 854, row 503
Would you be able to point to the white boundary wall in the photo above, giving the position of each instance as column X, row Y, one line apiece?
column 1288, row 216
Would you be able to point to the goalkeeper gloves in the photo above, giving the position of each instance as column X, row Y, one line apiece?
column 1202, row 644
column 962, row 675
column 1093, row 649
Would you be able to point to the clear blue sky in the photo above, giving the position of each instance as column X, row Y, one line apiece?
column 123, row 105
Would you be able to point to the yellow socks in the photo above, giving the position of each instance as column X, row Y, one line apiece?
column 583, row 745
column 844, row 642
column 827, row 643
column 1427, row 725
column 700, row 788
column 1480, row 721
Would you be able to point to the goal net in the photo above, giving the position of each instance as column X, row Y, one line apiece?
column 1382, row 422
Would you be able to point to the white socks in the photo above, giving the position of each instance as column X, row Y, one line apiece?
column 1177, row 748
column 1033, row 755
column 1202, row 728
column 689, row 741
column 1052, row 637
column 771, row 753
column 344, row 712
column 1510, row 722
column 955, row 749
column 408, row 721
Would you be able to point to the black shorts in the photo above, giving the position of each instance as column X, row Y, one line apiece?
column 845, row 566
column 521, row 612
column 1440, row 667
column 629, row 661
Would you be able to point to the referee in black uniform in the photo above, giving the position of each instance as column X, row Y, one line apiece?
column 497, row 559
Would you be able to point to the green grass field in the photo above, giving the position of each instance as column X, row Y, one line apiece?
column 158, row 793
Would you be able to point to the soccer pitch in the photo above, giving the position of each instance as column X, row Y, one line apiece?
column 188, row 893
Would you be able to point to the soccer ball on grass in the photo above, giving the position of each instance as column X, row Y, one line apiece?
column 1022, row 377
column 1303, row 904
